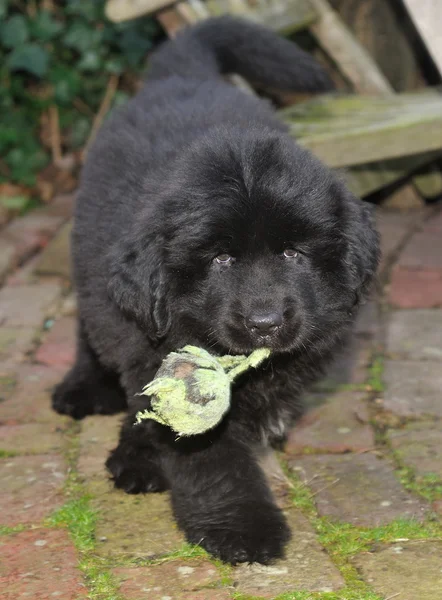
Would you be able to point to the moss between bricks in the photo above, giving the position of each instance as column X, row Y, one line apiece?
column 4, row 530
column 376, row 371
column 78, row 516
column 343, row 541
column 8, row 453
column 429, row 485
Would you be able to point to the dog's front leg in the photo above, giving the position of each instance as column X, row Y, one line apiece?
column 221, row 499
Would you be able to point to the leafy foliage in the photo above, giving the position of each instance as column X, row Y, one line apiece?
column 60, row 57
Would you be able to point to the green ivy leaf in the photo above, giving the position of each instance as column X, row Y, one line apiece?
column 44, row 27
column 25, row 163
column 134, row 46
column 91, row 11
column 3, row 8
column 79, row 132
column 66, row 82
column 82, row 37
column 14, row 32
column 90, row 61
column 31, row 58
column 78, row 36
column 114, row 65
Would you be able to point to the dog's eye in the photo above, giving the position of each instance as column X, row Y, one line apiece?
column 224, row 259
column 290, row 253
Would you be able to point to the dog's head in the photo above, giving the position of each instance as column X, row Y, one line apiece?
column 253, row 242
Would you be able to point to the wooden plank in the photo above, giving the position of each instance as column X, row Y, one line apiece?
column 352, row 59
column 280, row 15
column 123, row 10
column 366, row 179
column 427, row 16
column 429, row 182
column 350, row 130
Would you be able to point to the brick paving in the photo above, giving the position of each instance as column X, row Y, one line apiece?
column 367, row 455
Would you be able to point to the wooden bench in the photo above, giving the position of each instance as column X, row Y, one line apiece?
column 375, row 137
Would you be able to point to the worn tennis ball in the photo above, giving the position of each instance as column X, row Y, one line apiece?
column 191, row 390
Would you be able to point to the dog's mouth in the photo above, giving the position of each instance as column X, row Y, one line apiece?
column 235, row 341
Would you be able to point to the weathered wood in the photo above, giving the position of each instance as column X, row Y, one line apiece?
column 352, row 59
column 352, row 130
column 289, row 17
column 123, row 10
column 427, row 15
column 429, row 182
column 281, row 15
column 368, row 178
column 378, row 26
column 172, row 19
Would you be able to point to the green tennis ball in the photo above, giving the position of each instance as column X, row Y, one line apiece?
column 191, row 390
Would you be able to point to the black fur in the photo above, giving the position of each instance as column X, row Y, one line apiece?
column 190, row 169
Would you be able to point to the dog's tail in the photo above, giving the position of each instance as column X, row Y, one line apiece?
column 231, row 45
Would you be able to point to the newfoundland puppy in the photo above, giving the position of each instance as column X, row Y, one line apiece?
column 200, row 221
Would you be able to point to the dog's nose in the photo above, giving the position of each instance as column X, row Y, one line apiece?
column 264, row 323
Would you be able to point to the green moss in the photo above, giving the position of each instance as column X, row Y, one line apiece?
column 5, row 530
column 78, row 516
column 376, row 372
column 429, row 485
column 102, row 584
column 7, row 453
column 343, row 541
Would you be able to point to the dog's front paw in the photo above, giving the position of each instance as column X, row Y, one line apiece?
column 80, row 401
column 254, row 534
column 135, row 473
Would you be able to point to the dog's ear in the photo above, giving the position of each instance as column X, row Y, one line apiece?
column 363, row 248
column 138, row 283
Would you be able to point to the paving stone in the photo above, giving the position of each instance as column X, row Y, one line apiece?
column 15, row 343
column 416, row 334
column 8, row 384
column 31, row 232
column 7, row 256
column 31, row 488
column 133, row 526
column 437, row 506
column 357, row 488
column 69, row 307
column 420, row 446
column 31, row 438
column 413, row 388
column 99, row 435
column 24, row 275
column 55, row 258
column 276, row 478
column 29, row 400
column 58, row 347
column 367, row 324
column 406, row 571
column 339, row 425
column 394, row 227
column 415, row 288
column 40, row 564
column 423, row 251
column 349, row 367
column 306, row 566
column 175, row 580
column 61, row 206
column 27, row 305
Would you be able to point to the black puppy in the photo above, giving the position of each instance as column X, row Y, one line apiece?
column 200, row 221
